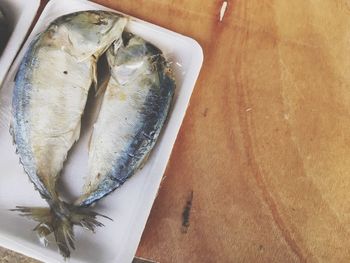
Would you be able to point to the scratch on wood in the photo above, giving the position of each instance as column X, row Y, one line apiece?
column 186, row 213
column 223, row 10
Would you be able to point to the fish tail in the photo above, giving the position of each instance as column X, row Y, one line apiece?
column 60, row 219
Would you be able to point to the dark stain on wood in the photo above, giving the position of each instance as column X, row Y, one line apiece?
column 205, row 112
column 186, row 213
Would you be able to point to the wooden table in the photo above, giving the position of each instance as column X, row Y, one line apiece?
column 264, row 145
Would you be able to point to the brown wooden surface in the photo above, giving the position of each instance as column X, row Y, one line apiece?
column 264, row 145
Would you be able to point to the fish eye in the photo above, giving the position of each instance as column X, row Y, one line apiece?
column 101, row 21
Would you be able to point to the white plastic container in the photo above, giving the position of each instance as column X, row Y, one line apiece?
column 130, row 205
column 20, row 15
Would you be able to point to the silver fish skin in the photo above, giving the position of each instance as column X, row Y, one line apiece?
column 134, row 108
column 50, row 93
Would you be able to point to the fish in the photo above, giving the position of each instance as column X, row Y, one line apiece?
column 4, row 32
column 49, row 98
column 135, row 106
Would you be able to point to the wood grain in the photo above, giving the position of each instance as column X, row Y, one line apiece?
column 264, row 142
column 264, row 145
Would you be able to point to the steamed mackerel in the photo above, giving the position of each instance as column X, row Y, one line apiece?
column 134, row 108
column 49, row 98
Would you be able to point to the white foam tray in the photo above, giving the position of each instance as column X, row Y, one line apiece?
column 20, row 15
column 130, row 205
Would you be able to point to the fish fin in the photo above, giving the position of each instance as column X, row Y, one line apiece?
column 41, row 215
column 37, row 213
column 60, row 221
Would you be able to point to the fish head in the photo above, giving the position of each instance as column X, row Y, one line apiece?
column 129, row 49
column 87, row 33
column 129, row 57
